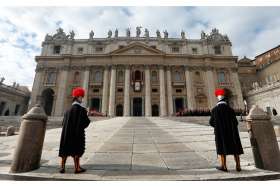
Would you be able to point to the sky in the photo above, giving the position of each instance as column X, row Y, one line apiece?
column 252, row 30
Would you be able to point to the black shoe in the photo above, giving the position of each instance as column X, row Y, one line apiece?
column 238, row 169
column 80, row 171
column 222, row 169
column 62, row 170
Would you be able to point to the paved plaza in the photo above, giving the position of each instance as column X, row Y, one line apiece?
column 139, row 148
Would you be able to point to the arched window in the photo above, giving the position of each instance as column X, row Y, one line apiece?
column 51, row 76
column 154, row 76
column 221, row 77
column 177, row 76
column 97, row 76
column 120, row 76
column 76, row 78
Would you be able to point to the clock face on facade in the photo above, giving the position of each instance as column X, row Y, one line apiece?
column 137, row 86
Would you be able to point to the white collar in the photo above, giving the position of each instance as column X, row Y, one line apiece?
column 221, row 102
column 77, row 103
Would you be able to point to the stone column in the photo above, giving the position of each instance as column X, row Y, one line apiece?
column 61, row 92
column 237, row 87
column 105, row 91
column 162, row 92
column 148, row 106
column 169, row 91
column 85, row 86
column 126, row 92
column 112, row 96
column 190, row 96
column 36, row 88
column 210, row 85
column 263, row 140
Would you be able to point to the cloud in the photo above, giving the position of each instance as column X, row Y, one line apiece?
column 252, row 30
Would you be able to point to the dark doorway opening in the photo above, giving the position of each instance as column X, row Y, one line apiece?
column 47, row 100
column 95, row 104
column 179, row 104
column 137, row 106
column 155, row 110
column 2, row 106
column 119, row 110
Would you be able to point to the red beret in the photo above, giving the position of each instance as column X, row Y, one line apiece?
column 77, row 92
column 220, row 92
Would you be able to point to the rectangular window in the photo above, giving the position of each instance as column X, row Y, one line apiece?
column 56, row 49
column 99, row 49
column 194, row 50
column 95, row 90
column 80, row 50
column 120, row 90
column 178, row 90
column 154, row 90
column 221, row 77
column 217, row 50
column 175, row 49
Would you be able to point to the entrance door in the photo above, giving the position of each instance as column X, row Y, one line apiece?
column 137, row 106
column 179, row 104
column 155, row 111
column 95, row 104
column 119, row 110
column 47, row 100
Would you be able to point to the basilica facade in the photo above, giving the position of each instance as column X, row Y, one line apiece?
column 135, row 74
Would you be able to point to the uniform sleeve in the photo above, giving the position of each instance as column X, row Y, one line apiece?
column 212, row 119
column 86, row 120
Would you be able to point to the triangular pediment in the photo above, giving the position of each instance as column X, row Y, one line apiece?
column 137, row 48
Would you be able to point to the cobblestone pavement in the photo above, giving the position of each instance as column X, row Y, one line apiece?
column 139, row 148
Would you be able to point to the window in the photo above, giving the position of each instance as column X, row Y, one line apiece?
column 175, row 49
column 51, row 76
column 56, row 49
column 76, row 78
column 99, row 49
column 80, row 50
column 120, row 76
column 221, row 77
column 178, row 90
column 154, row 90
column 17, row 109
column 194, row 50
column 97, row 77
column 154, row 76
column 120, row 90
column 137, row 75
column 177, row 76
column 95, row 90
column 217, row 50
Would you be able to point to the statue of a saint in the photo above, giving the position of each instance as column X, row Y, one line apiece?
column 158, row 34
column 109, row 34
column 146, row 33
column 91, row 34
column 138, row 31
column 183, row 35
column 128, row 32
column 72, row 35
column 165, row 34
column 203, row 35
column 116, row 33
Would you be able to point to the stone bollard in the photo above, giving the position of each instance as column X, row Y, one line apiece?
column 10, row 131
column 263, row 140
column 28, row 152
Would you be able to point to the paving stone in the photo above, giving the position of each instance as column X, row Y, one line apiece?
column 147, row 161
column 145, row 148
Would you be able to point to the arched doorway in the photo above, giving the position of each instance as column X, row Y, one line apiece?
column 7, row 113
column 137, row 106
column 155, row 110
column 119, row 110
column 47, row 100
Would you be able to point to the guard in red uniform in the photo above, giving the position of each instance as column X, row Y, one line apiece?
column 72, row 142
column 225, row 125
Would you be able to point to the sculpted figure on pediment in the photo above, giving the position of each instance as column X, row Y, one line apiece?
column 128, row 32
column 109, row 34
column 60, row 35
column 91, row 34
column 116, row 33
column 158, row 34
